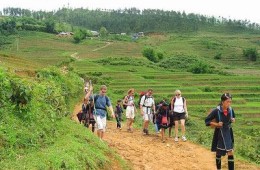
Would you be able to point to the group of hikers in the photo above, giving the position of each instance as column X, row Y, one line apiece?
column 163, row 115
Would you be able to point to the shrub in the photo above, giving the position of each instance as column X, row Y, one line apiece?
column 160, row 55
column 218, row 56
column 200, row 68
column 149, row 53
column 80, row 35
column 250, row 53
column 207, row 89
column 178, row 62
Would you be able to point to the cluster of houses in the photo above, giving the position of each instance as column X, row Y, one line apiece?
column 135, row 36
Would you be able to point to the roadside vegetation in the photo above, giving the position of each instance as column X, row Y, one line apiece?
column 36, row 131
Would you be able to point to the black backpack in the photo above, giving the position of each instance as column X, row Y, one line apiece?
column 125, row 106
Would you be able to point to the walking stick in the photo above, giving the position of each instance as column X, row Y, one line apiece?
column 92, row 94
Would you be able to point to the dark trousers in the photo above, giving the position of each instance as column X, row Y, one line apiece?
column 118, row 122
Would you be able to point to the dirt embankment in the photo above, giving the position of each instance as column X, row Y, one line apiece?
column 149, row 153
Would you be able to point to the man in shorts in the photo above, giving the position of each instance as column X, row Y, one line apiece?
column 147, row 106
column 101, row 102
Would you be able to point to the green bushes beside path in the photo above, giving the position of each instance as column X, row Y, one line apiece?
column 36, row 131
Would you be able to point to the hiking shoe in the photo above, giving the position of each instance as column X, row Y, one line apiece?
column 184, row 138
column 176, row 139
column 144, row 132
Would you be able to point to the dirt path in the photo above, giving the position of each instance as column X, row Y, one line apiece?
column 75, row 55
column 149, row 153
column 107, row 44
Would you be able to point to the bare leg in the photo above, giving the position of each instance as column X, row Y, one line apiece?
column 100, row 133
column 131, row 123
column 163, row 132
column 128, row 123
column 183, row 127
column 170, row 131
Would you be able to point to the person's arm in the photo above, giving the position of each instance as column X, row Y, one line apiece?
column 185, row 109
column 89, row 93
column 209, row 119
column 112, row 111
column 233, row 120
column 172, row 103
column 141, row 105
column 154, row 106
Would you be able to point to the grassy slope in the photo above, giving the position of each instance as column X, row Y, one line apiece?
column 202, row 91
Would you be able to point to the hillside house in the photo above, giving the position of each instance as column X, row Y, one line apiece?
column 94, row 33
column 65, row 34
column 140, row 34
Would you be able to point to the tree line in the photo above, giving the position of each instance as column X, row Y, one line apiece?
column 128, row 20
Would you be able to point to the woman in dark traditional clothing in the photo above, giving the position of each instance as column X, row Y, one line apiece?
column 223, row 141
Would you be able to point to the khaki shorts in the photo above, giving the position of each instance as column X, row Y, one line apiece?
column 101, row 123
column 130, row 112
column 148, row 117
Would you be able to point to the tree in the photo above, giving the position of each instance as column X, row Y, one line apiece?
column 79, row 35
column 250, row 53
column 50, row 26
column 103, row 32
column 149, row 53
column 200, row 68
column 8, row 26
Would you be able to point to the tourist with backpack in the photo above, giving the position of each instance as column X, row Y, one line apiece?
column 147, row 107
column 223, row 140
column 162, row 117
column 118, row 114
column 180, row 113
column 101, row 102
column 129, row 104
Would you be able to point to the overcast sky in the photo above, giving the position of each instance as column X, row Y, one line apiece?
column 234, row 9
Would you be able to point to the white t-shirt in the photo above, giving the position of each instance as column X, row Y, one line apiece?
column 130, row 101
column 147, row 103
column 178, row 105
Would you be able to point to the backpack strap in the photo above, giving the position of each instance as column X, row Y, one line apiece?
column 231, row 113
column 145, row 96
column 96, row 96
column 219, row 119
column 106, row 99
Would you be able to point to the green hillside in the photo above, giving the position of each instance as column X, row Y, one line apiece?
column 120, row 65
